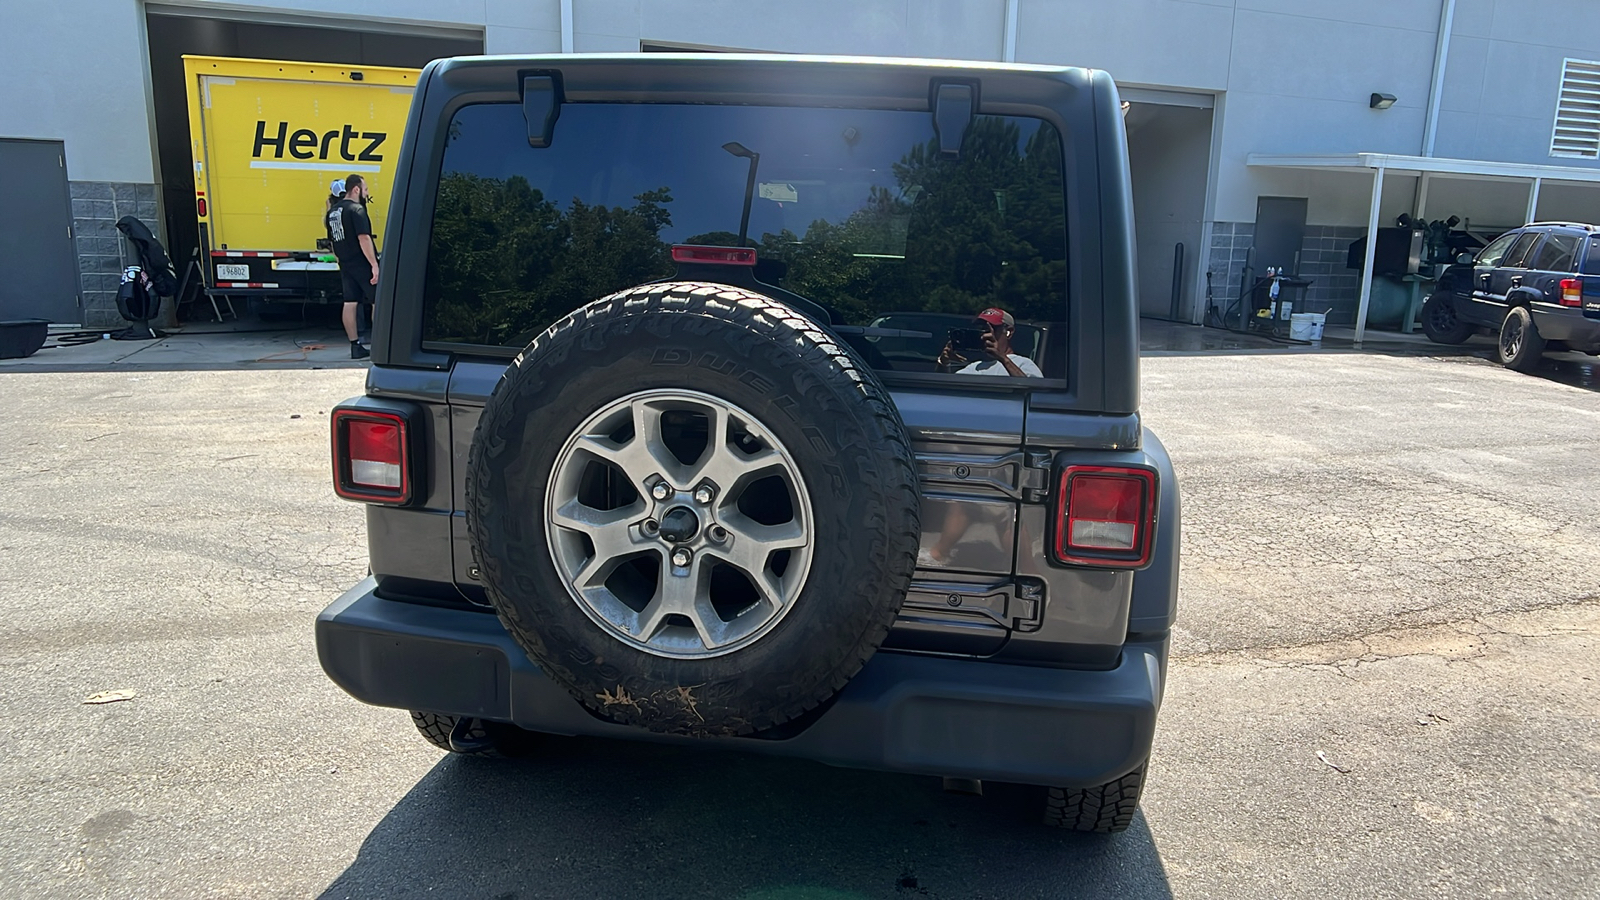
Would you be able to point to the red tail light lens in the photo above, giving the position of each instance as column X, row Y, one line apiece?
column 200, row 206
column 371, row 459
column 1107, row 516
column 375, row 454
column 1572, row 292
column 717, row 256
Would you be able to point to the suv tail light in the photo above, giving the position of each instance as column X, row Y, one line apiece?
column 717, row 256
column 1107, row 516
column 371, row 456
column 1572, row 292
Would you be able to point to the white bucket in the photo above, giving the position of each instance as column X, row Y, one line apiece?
column 1307, row 326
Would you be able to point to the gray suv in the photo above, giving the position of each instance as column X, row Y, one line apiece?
column 774, row 404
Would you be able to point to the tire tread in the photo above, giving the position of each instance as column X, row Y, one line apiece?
column 1104, row 809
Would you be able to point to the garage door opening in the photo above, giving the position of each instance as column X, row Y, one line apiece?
column 172, row 35
column 1169, row 155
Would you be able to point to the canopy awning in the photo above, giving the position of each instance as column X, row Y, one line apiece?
column 1378, row 164
column 1427, row 165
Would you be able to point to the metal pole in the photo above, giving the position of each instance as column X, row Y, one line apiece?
column 1533, row 201
column 1372, row 249
column 566, row 26
column 1422, row 198
column 1441, row 55
column 1009, row 51
column 1177, row 279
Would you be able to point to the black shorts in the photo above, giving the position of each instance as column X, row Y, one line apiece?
column 358, row 286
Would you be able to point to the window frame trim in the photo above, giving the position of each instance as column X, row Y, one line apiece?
column 1083, row 104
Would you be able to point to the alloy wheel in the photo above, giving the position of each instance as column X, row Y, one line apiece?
column 679, row 523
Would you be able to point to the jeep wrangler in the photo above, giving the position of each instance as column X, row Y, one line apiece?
column 781, row 404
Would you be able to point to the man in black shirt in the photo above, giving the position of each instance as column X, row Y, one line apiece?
column 351, row 233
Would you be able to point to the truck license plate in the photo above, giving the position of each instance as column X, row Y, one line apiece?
column 233, row 272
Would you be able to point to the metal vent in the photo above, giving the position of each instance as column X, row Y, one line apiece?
column 1577, row 132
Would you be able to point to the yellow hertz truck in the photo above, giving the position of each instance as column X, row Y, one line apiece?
column 268, row 138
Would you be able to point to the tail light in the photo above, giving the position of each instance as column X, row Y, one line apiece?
column 1572, row 292
column 371, row 456
column 200, row 206
column 717, row 256
column 1107, row 516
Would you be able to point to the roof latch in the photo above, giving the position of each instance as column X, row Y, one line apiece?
column 953, row 106
column 541, row 104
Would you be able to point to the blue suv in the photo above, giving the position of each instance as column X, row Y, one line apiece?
column 1537, row 287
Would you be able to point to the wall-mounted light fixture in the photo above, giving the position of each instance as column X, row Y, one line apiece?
column 1381, row 101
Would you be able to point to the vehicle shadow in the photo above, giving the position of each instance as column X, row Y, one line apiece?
column 1577, row 370
column 591, row 818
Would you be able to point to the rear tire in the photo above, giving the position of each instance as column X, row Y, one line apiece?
column 1520, row 346
column 1440, row 322
column 1104, row 809
column 490, row 740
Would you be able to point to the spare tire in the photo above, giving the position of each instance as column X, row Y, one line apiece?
column 693, row 508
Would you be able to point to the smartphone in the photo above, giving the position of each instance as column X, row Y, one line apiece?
column 967, row 338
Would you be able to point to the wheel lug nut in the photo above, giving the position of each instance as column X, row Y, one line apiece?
column 661, row 491
column 681, row 557
column 651, row 526
column 717, row 533
column 703, row 495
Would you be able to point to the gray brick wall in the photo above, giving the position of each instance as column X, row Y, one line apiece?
column 102, row 253
column 1322, row 259
column 1230, row 244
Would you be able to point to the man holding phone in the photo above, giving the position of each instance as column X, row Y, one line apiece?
column 350, row 231
column 994, row 327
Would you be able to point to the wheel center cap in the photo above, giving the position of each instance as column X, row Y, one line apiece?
column 679, row 525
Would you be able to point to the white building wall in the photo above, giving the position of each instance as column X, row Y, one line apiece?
column 1296, row 74
column 75, row 72
column 1504, row 74
column 1290, row 76
column 1174, row 43
column 954, row 29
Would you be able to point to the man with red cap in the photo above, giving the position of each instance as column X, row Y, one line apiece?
column 998, row 326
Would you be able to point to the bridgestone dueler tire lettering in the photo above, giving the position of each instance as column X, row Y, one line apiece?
column 832, row 414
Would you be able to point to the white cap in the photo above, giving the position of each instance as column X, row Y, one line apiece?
column 337, row 186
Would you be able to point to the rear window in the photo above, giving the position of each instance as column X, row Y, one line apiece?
column 1591, row 261
column 1557, row 253
column 852, row 209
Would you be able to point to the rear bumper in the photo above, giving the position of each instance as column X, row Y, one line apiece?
column 1568, row 324
column 901, row 713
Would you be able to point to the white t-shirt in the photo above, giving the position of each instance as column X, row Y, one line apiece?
column 993, row 367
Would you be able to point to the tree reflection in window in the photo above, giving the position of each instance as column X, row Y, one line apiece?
column 947, row 236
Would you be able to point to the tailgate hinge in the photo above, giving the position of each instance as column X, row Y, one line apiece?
column 1035, row 476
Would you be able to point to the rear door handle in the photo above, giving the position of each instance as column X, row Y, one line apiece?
column 1516, row 281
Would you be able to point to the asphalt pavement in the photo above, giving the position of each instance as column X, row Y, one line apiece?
column 1385, row 682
